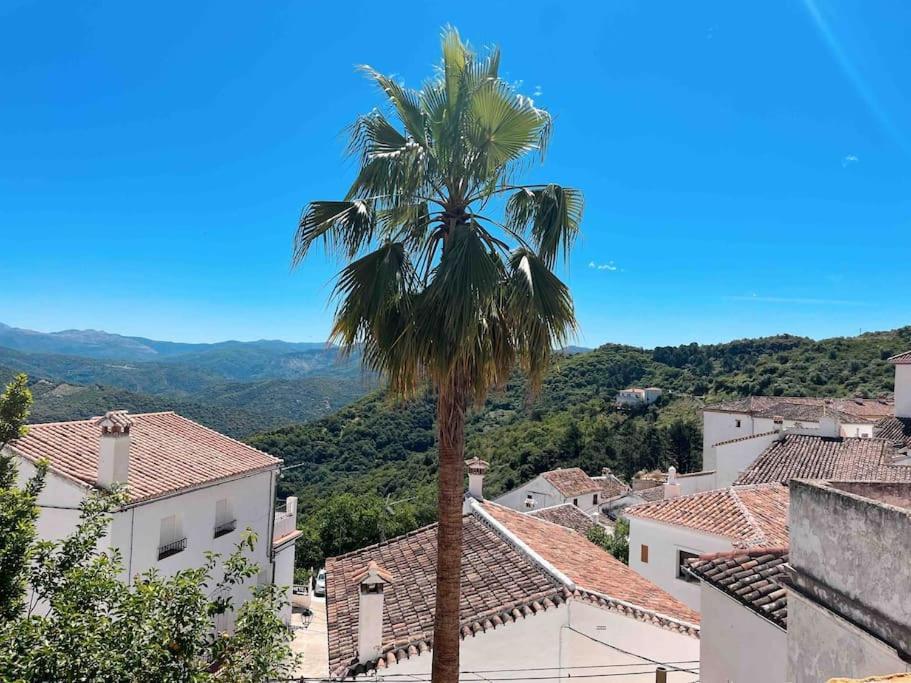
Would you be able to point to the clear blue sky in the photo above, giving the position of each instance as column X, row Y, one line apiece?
column 746, row 169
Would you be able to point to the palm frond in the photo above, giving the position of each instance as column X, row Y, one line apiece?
column 406, row 104
column 344, row 227
column 552, row 214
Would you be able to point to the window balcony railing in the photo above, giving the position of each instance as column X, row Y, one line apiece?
column 171, row 548
column 225, row 528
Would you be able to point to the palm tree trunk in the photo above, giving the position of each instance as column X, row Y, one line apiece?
column 450, row 491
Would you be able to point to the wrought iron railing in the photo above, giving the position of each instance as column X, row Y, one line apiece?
column 171, row 548
column 225, row 528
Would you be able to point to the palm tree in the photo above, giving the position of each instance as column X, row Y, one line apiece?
column 435, row 288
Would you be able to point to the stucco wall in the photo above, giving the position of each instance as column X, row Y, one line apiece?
column 572, row 638
column 822, row 646
column 733, row 458
column 663, row 541
column 540, row 489
column 721, row 427
column 903, row 390
column 737, row 644
column 696, row 482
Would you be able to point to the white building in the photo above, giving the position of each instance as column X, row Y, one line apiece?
column 190, row 490
column 747, row 417
column 664, row 534
column 744, row 610
column 537, row 599
column 637, row 396
column 847, row 578
column 570, row 485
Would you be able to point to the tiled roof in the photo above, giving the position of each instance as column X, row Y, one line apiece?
column 499, row 584
column 747, row 515
column 745, row 438
column 587, row 565
column 896, row 430
column 571, row 481
column 611, row 486
column 168, row 453
column 901, row 358
column 567, row 515
column 804, row 456
column 650, row 494
column 800, row 408
column 750, row 577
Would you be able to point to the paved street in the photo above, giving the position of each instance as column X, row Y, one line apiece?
column 310, row 641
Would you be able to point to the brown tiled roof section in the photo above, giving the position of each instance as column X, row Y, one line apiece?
column 611, row 486
column 746, row 515
column 168, row 453
column 499, row 584
column 650, row 494
column 587, row 565
column 901, row 358
column 806, row 408
column 896, row 430
column 567, row 515
column 571, row 481
column 745, row 438
column 750, row 577
column 802, row 456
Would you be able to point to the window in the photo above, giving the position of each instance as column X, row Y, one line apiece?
column 576, row 502
column 529, row 501
column 682, row 557
column 643, row 554
column 224, row 520
column 595, row 499
column 737, row 424
column 171, row 539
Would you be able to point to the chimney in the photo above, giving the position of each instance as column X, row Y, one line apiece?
column 778, row 421
column 370, row 611
column 114, row 448
column 902, row 364
column 829, row 425
column 477, row 468
column 671, row 487
column 606, row 472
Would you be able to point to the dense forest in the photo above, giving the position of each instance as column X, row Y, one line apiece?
column 372, row 464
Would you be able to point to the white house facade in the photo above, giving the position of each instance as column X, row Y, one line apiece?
column 635, row 396
column 665, row 534
column 538, row 599
column 189, row 490
column 556, row 487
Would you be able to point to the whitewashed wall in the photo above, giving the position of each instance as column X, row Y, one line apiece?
column 663, row 541
column 737, row 644
column 718, row 427
column 903, row 390
column 540, row 489
column 735, row 457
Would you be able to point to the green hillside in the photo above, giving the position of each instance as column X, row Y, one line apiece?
column 377, row 447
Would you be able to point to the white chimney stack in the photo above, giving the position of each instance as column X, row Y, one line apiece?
column 671, row 487
column 778, row 421
column 477, row 468
column 902, row 364
column 829, row 425
column 114, row 448
column 371, row 583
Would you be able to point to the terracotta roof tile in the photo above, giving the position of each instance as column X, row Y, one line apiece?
column 901, row 358
column 587, row 565
column 168, row 453
column 497, row 579
column 808, row 409
column 611, row 486
column 567, row 515
column 804, row 456
column 750, row 577
column 747, row 515
column 896, row 430
column 571, row 481
column 650, row 494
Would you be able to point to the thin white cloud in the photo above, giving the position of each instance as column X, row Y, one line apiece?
column 610, row 265
column 797, row 300
column 848, row 160
column 537, row 92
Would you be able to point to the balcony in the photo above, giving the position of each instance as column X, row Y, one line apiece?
column 224, row 528
column 172, row 548
column 285, row 519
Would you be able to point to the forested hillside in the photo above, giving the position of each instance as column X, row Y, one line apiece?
column 377, row 448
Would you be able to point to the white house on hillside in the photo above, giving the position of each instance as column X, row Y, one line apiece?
column 570, row 485
column 538, row 600
column 636, row 396
column 190, row 490
column 664, row 534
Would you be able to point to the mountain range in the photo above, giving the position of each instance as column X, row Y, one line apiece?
column 234, row 387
